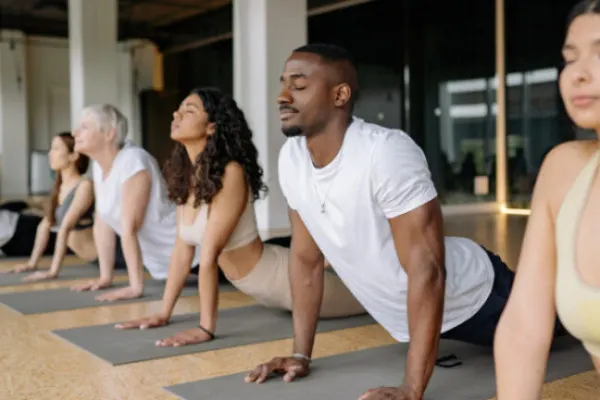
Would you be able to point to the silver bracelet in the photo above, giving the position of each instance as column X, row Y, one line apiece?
column 301, row 356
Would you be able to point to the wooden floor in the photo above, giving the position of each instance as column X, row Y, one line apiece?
column 34, row 364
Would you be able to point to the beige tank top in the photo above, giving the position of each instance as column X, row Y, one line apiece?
column 245, row 231
column 578, row 303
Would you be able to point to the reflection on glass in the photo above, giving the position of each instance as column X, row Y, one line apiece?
column 467, row 115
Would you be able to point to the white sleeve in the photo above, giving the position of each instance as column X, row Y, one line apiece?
column 134, row 162
column 283, row 173
column 401, row 179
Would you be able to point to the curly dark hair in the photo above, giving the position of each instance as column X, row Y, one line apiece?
column 231, row 141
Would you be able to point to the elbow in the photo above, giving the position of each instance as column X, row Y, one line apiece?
column 208, row 260
column 432, row 277
column 519, row 334
column 130, row 229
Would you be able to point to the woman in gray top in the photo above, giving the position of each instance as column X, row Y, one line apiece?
column 69, row 218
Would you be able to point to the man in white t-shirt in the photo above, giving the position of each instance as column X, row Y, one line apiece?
column 131, row 202
column 361, row 196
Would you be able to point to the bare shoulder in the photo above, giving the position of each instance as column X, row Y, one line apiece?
column 233, row 183
column 234, row 168
column 561, row 167
column 86, row 185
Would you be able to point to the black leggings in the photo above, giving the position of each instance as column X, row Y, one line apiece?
column 21, row 243
column 283, row 241
column 14, row 206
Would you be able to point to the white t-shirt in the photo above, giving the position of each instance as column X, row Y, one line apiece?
column 159, row 230
column 381, row 174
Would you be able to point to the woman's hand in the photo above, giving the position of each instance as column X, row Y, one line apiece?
column 145, row 323
column 40, row 276
column 190, row 336
column 20, row 268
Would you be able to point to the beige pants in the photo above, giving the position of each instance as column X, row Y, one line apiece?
column 268, row 283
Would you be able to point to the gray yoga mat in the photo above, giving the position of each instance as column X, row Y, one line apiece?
column 44, row 301
column 67, row 273
column 236, row 327
column 347, row 376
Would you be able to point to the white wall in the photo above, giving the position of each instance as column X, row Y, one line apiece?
column 14, row 168
column 49, row 86
column 46, row 84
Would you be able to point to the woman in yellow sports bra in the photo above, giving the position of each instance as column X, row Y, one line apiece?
column 559, row 267
column 214, row 178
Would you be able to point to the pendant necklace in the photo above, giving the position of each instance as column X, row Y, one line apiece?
column 322, row 208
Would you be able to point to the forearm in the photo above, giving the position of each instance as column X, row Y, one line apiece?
column 60, row 250
column 208, row 286
column 105, row 240
column 41, row 241
column 178, row 273
column 307, row 293
column 133, row 259
column 426, row 290
column 520, row 353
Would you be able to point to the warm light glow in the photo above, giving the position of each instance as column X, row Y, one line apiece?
column 514, row 211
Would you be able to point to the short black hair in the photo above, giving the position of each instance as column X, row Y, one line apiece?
column 328, row 52
column 334, row 53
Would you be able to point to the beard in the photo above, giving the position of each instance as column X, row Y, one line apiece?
column 292, row 131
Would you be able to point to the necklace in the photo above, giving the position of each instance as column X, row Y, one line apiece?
column 323, row 209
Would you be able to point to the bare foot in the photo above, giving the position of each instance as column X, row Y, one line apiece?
column 191, row 336
column 121, row 294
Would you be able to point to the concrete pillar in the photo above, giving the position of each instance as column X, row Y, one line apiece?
column 264, row 34
column 94, row 62
column 136, row 72
column 14, row 121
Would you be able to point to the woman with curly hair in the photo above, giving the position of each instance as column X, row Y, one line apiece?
column 214, row 178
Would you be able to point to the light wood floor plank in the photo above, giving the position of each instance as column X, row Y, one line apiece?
column 35, row 364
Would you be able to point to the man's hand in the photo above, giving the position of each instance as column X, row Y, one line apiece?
column 91, row 285
column 145, row 323
column 289, row 366
column 390, row 393
column 125, row 293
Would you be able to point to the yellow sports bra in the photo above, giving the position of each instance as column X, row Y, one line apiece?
column 577, row 303
column 245, row 231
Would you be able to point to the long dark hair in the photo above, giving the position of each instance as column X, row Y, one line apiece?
column 583, row 7
column 231, row 141
column 81, row 165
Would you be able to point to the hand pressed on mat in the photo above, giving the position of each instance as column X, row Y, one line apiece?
column 19, row 268
column 144, row 323
column 190, row 336
column 93, row 285
column 390, row 393
column 40, row 276
column 125, row 293
column 289, row 366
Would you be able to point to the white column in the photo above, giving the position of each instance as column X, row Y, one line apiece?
column 93, row 54
column 264, row 34
column 136, row 72
column 14, row 121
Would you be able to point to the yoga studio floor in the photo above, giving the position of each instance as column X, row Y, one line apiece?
column 57, row 346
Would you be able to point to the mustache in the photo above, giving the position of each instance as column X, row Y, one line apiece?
column 287, row 108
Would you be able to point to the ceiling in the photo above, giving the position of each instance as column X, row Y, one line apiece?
column 150, row 19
